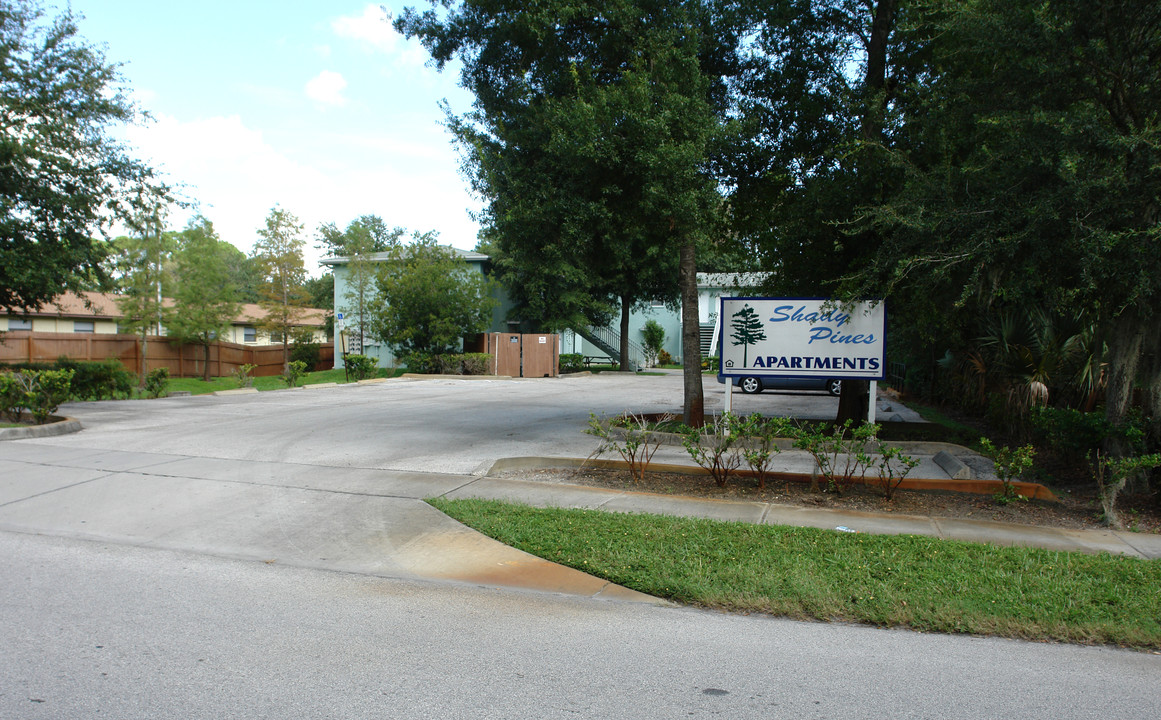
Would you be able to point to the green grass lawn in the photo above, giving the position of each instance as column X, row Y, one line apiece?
column 197, row 386
column 921, row 583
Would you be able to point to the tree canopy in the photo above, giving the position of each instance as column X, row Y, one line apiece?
column 63, row 177
column 428, row 299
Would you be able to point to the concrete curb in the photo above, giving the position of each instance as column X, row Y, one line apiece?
column 420, row 376
column 540, row 494
column 235, row 391
column 1034, row 491
column 62, row 426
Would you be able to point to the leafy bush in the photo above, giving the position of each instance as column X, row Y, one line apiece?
column 12, row 397
column 631, row 437
column 1071, row 432
column 841, row 453
column 97, row 380
column 714, row 450
column 361, row 367
column 1011, row 464
column 654, row 336
column 294, row 372
column 420, row 362
column 157, row 382
column 477, row 363
column 242, row 375
column 571, row 362
column 758, row 446
column 710, row 364
column 448, row 364
column 664, row 358
column 39, row 392
column 306, row 353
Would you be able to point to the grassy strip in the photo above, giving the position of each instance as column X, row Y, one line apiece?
column 917, row 582
column 197, row 386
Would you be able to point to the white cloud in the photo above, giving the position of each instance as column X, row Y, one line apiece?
column 327, row 88
column 373, row 26
column 236, row 176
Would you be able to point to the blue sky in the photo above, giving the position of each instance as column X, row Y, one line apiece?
column 320, row 107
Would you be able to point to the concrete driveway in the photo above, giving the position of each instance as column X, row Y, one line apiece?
column 269, row 555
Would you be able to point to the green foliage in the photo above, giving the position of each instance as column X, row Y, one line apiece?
column 477, row 363
column 203, row 290
column 664, row 358
column 710, row 363
column 758, row 437
column 157, row 382
column 242, row 377
column 66, row 175
column 294, row 372
column 630, row 436
column 97, row 380
column 925, row 583
column 39, row 392
column 892, row 468
column 1113, row 474
column 12, row 397
column 571, row 362
column 421, row 363
column 841, row 451
column 654, row 337
column 428, row 299
column 304, row 348
column 278, row 253
column 1011, row 464
column 361, row 367
column 713, row 447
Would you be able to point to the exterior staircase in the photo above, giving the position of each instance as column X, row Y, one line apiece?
column 609, row 340
column 709, row 336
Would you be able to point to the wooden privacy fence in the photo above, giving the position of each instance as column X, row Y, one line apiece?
column 181, row 360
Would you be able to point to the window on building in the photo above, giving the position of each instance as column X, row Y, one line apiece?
column 82, row 326
column 19, row 323
column 249, row 334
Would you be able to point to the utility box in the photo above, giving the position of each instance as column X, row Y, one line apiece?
column 522, row 355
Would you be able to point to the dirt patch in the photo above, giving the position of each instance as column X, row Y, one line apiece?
column 1078, row 508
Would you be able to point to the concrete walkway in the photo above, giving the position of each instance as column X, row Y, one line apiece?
column 373, row 521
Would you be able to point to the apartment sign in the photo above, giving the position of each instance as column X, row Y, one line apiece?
column 796, row 337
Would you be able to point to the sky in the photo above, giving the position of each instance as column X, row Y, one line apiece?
column 319, row 107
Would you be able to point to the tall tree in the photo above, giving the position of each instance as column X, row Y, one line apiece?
column 61, row 170
column 1033, row 173
column 590, row 137
column 428, row 299
column 278, row 252
column 204, row 296
column 140, row 262
column 364, row 237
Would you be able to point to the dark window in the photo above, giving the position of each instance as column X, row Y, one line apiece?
column 82, row 326
column 19, row 323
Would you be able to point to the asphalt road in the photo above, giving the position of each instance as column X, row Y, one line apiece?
column 118, row 599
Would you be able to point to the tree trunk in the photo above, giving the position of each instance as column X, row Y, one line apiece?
column 206, row 371
column 694, row 405
column 1125, row 344
column 625, row 333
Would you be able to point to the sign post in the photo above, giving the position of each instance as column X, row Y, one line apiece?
column 804, row 338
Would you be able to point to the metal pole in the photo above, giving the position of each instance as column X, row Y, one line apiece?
column 874, row 392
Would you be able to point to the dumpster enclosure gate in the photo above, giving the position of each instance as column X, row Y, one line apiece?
column 522, row 355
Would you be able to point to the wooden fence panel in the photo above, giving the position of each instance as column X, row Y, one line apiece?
column 21, row 346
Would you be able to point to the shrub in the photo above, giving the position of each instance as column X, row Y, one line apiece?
column 306, row 353
column 294, row 372
column 420, row 362
column 713, row 448
column 242, row 375
column 841, row 454
column 571, row 362
column 1010, row 465
column 758, row 446
column 710, row 364
column 40, row 392
column 157, row 382
column 664, row 358
column 13, row 401
column 654, row 336
column 1112, row 474
column 477, row 363
column 630, row 437
column 97, row 380
column 448, row 364
column 361, row 367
